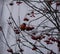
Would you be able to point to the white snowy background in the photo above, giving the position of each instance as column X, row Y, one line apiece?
column 3, row 21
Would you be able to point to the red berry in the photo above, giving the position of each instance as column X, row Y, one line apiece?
column 28, row 28
column 52, row 39
column 34, row 38
column 31, row 28
column 34, row 48
column 23, row 26
column 10, row 50
column 9, row 23
column 26, row 19
column 32, row 14
column 18, row 3
column 58, row 3
column 11, row 4
column 28, row 13
column 48, row 42
column 21, row 50
column 16, row 30
column 18, row 40
column 40, row 37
